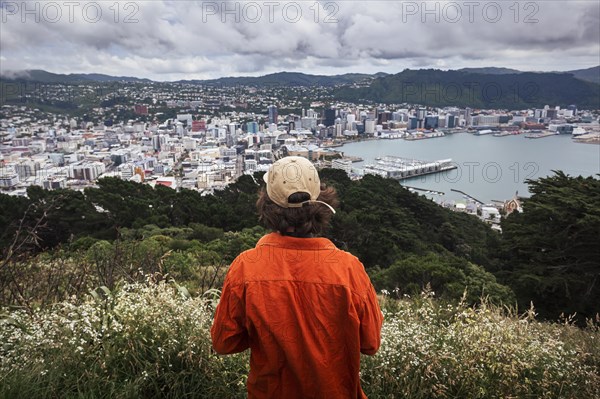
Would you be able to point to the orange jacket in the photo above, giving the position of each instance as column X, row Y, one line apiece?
column 306, row 310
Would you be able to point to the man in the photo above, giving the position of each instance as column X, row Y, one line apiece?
column 304, row 308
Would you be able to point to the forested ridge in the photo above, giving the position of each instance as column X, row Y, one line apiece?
column 549, row 254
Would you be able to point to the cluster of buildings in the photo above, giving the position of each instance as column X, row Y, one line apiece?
column 183, row 152
column 195, row 149
column 488, row 213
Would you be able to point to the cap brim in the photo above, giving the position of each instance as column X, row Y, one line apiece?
column 266, row 177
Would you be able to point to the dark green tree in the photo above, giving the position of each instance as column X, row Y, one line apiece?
column 552, row 248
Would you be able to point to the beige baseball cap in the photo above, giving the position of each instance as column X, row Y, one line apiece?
column 291, row 175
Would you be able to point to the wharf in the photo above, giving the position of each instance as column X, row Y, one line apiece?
column 590, row 138
column 426, row 190
column 403, row 168
column 353, row 158
column 468, row 196
column 505, row 133
column 540, row 135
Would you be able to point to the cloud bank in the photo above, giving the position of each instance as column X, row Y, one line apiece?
column 171, row 40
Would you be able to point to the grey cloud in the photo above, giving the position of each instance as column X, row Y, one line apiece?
column 174, row 40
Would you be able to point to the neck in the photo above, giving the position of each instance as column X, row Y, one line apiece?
column 290, row 232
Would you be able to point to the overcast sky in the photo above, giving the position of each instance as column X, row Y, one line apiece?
column 171, row 40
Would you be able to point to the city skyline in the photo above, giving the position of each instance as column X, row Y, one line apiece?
column 166, row 41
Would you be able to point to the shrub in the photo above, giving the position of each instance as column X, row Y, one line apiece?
column 152, row 340
column 435, row 350
column 145, row 340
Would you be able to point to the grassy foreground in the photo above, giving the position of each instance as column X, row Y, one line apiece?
column 152, row 340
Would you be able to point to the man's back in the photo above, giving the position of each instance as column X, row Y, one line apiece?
column 306, row 310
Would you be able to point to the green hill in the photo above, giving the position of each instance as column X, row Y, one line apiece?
column 284, row 79
column 589, row 74
column 489, row 70
column 455, row 88
column 41, row 76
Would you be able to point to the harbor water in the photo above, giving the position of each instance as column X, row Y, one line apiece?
column 488, row 168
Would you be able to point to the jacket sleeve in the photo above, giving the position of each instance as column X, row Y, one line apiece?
column 371, row 320
column 228, row 332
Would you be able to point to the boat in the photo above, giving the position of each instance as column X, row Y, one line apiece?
column 578, row 131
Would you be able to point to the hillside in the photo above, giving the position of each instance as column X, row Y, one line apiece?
column 489, row 70
column 41, row 76
column 401, row 225
column 455, row 88
column 283, row 79
column 589, row 74
column 270, row 80
column 275, row 79
column 404, row 240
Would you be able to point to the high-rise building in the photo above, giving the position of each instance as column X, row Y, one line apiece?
column 330, row 117
column 252, row 127
column 539, row 113
column 431, row 122
column 468, row 117
column 451, row 121
column 413, row 123
column 383, row 116
column 272, row 114
column 87, row 171
column 551, row 113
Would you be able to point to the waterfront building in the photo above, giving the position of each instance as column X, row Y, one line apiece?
column 431, row 122
column 343, row 164
column 370, row 126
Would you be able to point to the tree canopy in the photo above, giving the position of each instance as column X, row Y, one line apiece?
column 548, row 254
column 552, row 248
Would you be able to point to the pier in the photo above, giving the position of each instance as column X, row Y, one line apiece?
column 540, row 135
column 403, row 168
column 426, row 190
column 468, row 196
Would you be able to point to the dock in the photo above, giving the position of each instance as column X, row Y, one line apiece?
column 540, row 135
column 426, row 190
column 353, row 158
column 399, row 168
column 468, row 196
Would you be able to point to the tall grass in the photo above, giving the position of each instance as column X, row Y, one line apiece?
column 143, row 340
column 152, row 340
column 436, row 350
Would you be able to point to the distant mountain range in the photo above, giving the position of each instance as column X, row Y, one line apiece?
column 41, row 76
column 475, row 87
column 490, row 70
column 274, row 79
column 280, row 78
column 289, row 79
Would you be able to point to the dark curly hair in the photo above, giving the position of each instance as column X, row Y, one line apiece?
column 308, row 220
